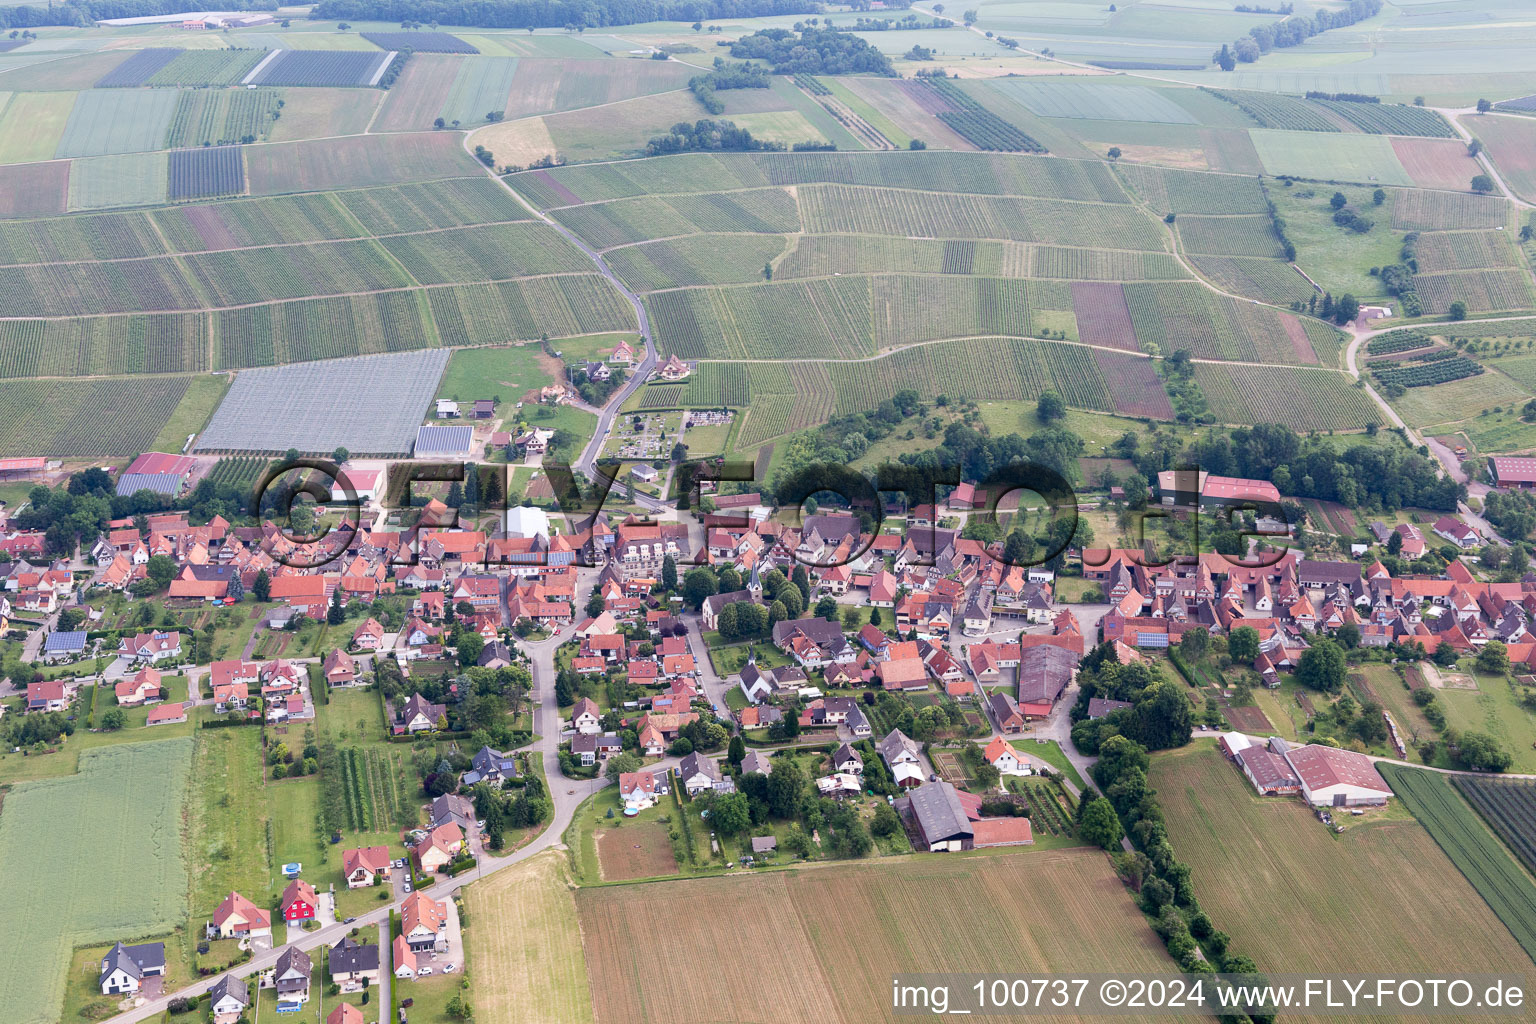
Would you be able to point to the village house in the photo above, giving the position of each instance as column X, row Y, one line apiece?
column 299, row 902
column 124, row 968
column 362, row 865
column 585, row 717
column 228, row 999
column 424, row 923
column 639, row 790
column 239, row 918
column 698, row 773
column 291, row 975
column 354, row 966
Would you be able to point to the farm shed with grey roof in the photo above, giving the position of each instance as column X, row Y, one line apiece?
column 370, row 405
column 940, row 817
column 168, row 484
column 444, row 440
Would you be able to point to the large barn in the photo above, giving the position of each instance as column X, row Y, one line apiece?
column 1331, row 777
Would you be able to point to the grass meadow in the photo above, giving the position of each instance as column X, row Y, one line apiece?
column 104, row 862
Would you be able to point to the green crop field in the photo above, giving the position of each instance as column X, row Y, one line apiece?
column 1481, row 290
column 972, row 173
column 1464, row 250
column 64, row 347
column 1419, row 210
column 1330, row 157
column 764, row 211
column 1287, row 113
column 494, row 314
column 441, row 204
column 984, row 369
column 1229, row 236
column 481, row 86
column 31, row 125
column 836, row 209
column 1391, row 119
column 1172, row 191
column 63, row 418
column 109, row 121
column 1302, row 398
column 1508, row 806
column 237, row 277
column 778, row 320
column 1209, row 326
column 253, row 222
column 107, row 236
column 1458, row 399
column 490, row 253
column 207, row 67
column 291, row 332
column 222, row 116
column 356, row 161
column 132, row 887
column 696, row 260
column 1380, row 897
column 1095, row 100
column 133, row 179
column 1269, row 280
column 1474, row 850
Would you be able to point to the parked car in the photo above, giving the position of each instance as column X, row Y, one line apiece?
column 422, row 972
column 349, row 920
column 450, row 968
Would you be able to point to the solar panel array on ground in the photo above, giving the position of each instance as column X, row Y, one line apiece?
column 370, row 405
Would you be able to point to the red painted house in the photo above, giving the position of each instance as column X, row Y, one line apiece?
column 299, row 901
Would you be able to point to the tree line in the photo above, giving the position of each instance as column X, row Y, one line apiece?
column 531, row 14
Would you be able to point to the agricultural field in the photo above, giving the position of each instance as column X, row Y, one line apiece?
column 1511, row 143
column 1464, row 250
column 1436, row 164
column 964, row 901
column 33, row 190
column 421, row 42
column 202, row 68
column 495, row 314
column 1482, row 290
column 546, row 87
column 326, row 328
column 131, row 179
column 1168, row 317
column 110, row 121
column 495, row 252
column 1381, row 897
column 223, row 116
column 356, row 162
column 1095, row 100
column 64, row 418
column 970, row 173
column 700, row 260
column 318, row 68
column 205, row 173
column 1416, row 210
column 526, row 945
column 1507, row 806
column 1302, row 398
column 31, row 124
column 325, row 113
column 1458, row 399
column 1321, row 156
column 1168, row 190
column 91, row 346
column 133, row 887
column 1466, row 840
column 137, row 69
column 1391, row 118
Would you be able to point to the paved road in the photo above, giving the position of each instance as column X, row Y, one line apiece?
column 386, row 975
column 641, row 371
column 565, row 795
